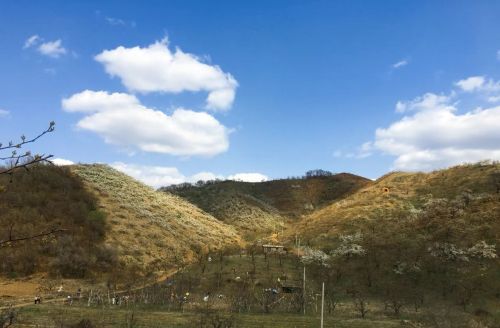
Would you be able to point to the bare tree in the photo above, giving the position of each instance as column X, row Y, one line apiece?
column 16, row 161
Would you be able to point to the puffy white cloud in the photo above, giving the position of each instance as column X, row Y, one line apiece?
column 471, row 83
column 205, row 176
column 4, row 112
column 98, row 101
column 154, row 176
column 158, row 69
column 488, row 88
column 161, row 176
column 400, row 64
column 248, row 177
column 62, row 162
column 435, row 135
column 122, row 120
column 52, row 49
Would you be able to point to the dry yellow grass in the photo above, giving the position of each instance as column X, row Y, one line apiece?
column 398, row 192
column 259, row 209
column 146, row 225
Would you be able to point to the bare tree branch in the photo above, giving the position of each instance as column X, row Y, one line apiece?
column 39, row 235
column 16, row 162
column 23, row 161
column 11, row 145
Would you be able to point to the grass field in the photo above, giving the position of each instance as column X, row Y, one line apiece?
column 64, row 316
column 192, row 279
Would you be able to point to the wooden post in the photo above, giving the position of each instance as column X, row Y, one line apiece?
column 90, row 297
column 304, row 290
column 298, row 247
column 322, row 302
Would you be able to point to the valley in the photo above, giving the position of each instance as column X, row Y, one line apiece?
column 388, row 251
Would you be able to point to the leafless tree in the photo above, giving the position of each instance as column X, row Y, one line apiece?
column 23, row 160
column 15, row 160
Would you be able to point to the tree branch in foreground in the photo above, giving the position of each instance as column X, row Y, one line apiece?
column 24, row 161
column 40, row 235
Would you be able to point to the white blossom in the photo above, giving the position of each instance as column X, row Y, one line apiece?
column 483, row 250
column 448, row 251
column 350, row 246
column 315, row 256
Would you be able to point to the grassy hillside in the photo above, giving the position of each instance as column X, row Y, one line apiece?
column 265, row 206
column 51, row 199
column 400, row 194
column 148, row 227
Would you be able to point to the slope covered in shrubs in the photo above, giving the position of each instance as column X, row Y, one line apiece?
column 264, row 207
column 45, row 199
column 400, row 195
column 151, row 228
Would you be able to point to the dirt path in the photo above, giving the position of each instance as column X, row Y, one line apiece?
column 32, row 289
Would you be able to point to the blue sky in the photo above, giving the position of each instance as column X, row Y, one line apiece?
column 316, row 84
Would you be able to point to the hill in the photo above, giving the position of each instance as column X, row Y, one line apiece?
column 105, row 222
column 400, row 194
column 150, row 227
column 262, row 207
column 44, row 200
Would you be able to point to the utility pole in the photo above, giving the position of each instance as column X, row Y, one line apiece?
column 322, row 302
column 304, row 290
column 298, row 248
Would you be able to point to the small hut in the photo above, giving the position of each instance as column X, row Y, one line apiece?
column 273, row 249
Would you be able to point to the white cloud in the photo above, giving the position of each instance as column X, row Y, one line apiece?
column 62, row 162
column 471, row 83
column 98, row 101
column 435, row 135
column 122, row 120
column 428, row 101
column 488, row 88
column 154, row 176
column 52, row 49
column 161, row 176
column 493, row 99
column 205, row 176
column 366, row 150
column 31, row 41
column 400, row 64
column 158, row 69
column 248, row 177
column 114, row 21
column 4, row 112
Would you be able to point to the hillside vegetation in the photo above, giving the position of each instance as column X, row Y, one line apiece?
column 107, row 221
column 43, row 200
column 401, row 194
column 149, row 227
column 264, row 207
column 412, row 238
